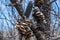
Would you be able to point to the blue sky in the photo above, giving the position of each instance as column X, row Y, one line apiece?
column 6, row 15
column 55, row 19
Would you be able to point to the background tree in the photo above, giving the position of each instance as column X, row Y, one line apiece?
column 50, row 8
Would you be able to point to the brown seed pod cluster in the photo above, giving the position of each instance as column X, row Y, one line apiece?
column 23, row 28
column 38, row 15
